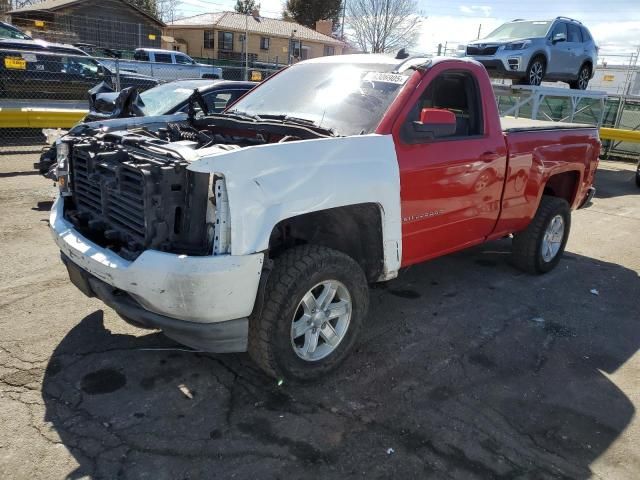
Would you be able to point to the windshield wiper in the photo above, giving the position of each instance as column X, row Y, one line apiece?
column 304, row 122
column 242, row 115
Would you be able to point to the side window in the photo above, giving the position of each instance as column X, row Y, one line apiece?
column 163, row 57
column 218, row 101
column 560, row 27
column 183, row 60
column 458, row 93
column 574, row 33
column 141, row 55
column 208, row 38
column 225, row 41
column 586, row 37
column 82, row 66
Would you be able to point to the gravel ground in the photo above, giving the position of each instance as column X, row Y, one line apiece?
column 467, row 369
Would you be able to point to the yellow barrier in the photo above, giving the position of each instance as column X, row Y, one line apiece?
column 620, row 135
column 28, row 117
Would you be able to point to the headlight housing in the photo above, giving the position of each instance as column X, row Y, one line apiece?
column 518, row 45
column 62, row 167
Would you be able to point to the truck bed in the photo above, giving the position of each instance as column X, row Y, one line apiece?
column 512, row 124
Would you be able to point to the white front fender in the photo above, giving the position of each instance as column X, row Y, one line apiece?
column 269, row 183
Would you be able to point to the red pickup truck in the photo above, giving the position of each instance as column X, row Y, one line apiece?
column 260, row 228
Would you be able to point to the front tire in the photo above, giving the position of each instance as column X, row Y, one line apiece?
column 638, row 175
column 538, row 249
column 315, row 301
column 583, row 79
column 535, row 72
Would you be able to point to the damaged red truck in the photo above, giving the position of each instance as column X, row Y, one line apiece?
column 331, row 175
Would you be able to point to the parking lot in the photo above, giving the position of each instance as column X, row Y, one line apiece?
column 467, row 369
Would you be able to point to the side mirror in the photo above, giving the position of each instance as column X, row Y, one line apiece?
column 559, row 37
column 435, row 123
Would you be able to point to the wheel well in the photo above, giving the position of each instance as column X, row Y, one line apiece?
column 562, row 185
column 355, row 230
column 539, row 55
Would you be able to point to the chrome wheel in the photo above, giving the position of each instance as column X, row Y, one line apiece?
column 321, row 320
column 536, row 72
column 583, row 79
column 552, row 240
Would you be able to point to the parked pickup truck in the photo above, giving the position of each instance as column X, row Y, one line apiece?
column 164, row 65
column 260, row 228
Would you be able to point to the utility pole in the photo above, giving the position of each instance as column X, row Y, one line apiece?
column 479, row 30
column 439, row 49
column 246, row 47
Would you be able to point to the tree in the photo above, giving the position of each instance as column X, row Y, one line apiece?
column 383, row 25
column 147, row 5
column 246, row 7
column 167, row 10
column 308, row 12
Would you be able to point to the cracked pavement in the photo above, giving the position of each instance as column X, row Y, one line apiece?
column 467, row 368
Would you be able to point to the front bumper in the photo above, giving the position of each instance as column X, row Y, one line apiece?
column 510, row 65
column 180, row 288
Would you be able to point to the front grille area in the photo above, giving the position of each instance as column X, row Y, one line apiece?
column 129, row 200
column 487, row 50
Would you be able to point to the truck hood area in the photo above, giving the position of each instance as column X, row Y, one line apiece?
column 136, row 190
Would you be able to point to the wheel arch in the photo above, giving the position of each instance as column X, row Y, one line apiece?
column 563, row 185
column 355, row 230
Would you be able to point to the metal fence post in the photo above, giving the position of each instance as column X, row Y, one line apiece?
column 117, row 74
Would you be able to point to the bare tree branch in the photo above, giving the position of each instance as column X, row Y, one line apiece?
column 383, row 25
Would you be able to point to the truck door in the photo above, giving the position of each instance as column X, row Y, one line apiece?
column 560, row 51
column 450, row 186
column 185, row 66
column 576, row 49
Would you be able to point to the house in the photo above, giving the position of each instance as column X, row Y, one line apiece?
column 114, row 24
column 221, row 36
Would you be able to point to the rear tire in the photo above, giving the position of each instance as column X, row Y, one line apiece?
column 538, row 249
column 281, row 335
column 583, row 79
column 638, row 175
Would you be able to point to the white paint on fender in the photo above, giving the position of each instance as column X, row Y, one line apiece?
column 269, row 183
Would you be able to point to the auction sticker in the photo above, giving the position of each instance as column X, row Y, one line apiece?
column 15, row 63
column 385, row 77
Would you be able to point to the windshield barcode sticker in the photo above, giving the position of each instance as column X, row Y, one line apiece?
column 385, row 77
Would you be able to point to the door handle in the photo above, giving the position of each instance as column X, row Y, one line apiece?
column 488, row 157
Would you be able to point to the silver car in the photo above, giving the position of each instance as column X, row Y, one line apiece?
column 531, row 51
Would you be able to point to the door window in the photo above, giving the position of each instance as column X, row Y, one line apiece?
column 141, row 55
column 574, row 33
column 163, row 58
column 458, row 93
column 183, row 60
column 83, row 66
column 560, row 27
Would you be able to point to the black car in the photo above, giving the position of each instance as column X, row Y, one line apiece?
column 9, row 31
column 39, row 69
column 153, row 109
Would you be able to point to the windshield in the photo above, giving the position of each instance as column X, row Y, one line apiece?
column 7, row 31
column 163, row 98
column 520, row 30
column 349, row 99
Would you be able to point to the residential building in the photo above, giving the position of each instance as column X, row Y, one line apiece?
column 114, row 24
column 221, row 36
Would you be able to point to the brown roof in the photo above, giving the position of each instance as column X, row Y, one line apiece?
column 53, row 5
column 261, row 25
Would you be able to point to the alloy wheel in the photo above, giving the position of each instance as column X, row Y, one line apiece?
column 553, row 237
column 321, row 320
column 535, row 73
column 583, row 79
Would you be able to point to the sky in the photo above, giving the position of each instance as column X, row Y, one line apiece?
column 615, row 24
